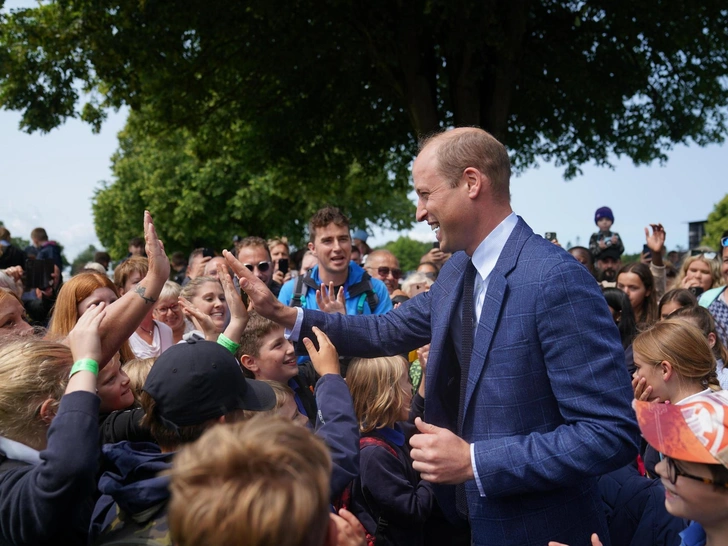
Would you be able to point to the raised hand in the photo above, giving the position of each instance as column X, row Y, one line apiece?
column 329, row 303
column 84, row 339
column 325, row 360
column 158, row 261
column 201, row 321
column 238, row 311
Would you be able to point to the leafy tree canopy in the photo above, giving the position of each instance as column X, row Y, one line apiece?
column 266, row 92
column 84, row 257
column 717, row 224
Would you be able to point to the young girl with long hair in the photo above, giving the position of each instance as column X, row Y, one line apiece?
column 636, row 280
column 389, row 498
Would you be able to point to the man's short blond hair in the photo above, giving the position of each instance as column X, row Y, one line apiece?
column 472, row 147
column 263, row 482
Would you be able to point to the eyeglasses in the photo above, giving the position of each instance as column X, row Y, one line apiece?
column 724, row 242
column 262, row 266
column 385, row 271
column 673, row 471
column 706, row 255
column 164, row 310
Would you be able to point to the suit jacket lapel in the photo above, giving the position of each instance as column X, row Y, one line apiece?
column 492, row 306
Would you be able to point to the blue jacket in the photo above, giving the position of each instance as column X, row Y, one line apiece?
column 548, row 397
column 636, row 513
column 352, row 304
column 50, row 502
column 50, row 251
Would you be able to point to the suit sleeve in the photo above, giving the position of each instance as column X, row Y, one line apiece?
column 398, row 331
column 585, row 365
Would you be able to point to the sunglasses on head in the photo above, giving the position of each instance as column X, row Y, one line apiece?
column 724, row 242
column 706, row 255
column 262, row 266
column 385, row 271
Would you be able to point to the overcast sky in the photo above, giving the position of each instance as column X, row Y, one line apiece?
column 49, row 180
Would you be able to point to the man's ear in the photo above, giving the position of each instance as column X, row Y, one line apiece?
column 474, row 180
column 249, row 363
column 312, row 247
column 48, row 411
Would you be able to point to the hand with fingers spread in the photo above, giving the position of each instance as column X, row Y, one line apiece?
column 201, row 321
column 656, row 242
column 349, row 530
column 327, row 302
column 266, row 304
column 439, row 455
column 238, row 310
column 325, row 360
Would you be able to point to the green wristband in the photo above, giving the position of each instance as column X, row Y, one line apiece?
column 85, row 364
column 228, row 343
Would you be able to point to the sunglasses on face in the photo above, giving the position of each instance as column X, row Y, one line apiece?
column 262, row 266
column 706, row 255
column 674, row 471
column 385, row 271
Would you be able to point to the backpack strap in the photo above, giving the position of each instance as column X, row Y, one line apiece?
column 366, row 441
column 303, row 283
column 365, row 292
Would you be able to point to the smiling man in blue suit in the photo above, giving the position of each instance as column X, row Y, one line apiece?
column 527, row 394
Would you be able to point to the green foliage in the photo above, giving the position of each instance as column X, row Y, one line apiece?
column 204, row 188
column 17, row 241
column 717, row 224
column 82, row 259
column 408, row 252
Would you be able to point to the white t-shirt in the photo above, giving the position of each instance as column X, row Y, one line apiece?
column 162, row 340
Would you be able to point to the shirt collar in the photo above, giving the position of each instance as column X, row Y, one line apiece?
column 694, row 535
column 692, row 396
column 393, row 435
column 19, row 452
column 489, row 250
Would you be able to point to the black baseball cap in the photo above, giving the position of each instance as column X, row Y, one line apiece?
column 196, row 381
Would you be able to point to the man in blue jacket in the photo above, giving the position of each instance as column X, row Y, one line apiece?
column 354, row 291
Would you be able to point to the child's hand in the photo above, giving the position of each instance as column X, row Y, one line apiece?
column 238, row 311
column 84, row 339
column 642, row 391
column 326, row 359
column 349, row 530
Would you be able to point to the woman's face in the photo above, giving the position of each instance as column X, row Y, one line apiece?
column 169, row 312
column 210, row 299
column 698, row 274
column 653, row 376
column 631, row 284
column 12, row 317
column 724, row 265
column 113, row 387
column 99, row 295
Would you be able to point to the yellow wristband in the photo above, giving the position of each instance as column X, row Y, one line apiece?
column 85, row 364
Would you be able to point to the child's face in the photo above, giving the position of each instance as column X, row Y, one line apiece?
column 699, row 274
column 631, row 284
column 669, row 308
column 276, row 360
column 604, row 224
column 653, row 376
column 289, row 410
column 690, row 498
column 114, row 387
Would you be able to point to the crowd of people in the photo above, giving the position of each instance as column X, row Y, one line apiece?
column 260, row 395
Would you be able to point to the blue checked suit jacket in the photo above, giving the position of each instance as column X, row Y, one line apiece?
column 548, row 399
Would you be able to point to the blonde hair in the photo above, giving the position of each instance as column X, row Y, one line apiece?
column 138, row 369
column 262, row 482
column 190, row 290
column 684, row 346
column 373, row 383
column 714, row 265
column 65, row 311
column 31, row 371
column 170, row 290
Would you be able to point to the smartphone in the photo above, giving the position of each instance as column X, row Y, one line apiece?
column 696, row 290
column 436, row 244
column 283, row 265
column 38, row 274
column 550, row 236
column 647, row 252
column 208, row 253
